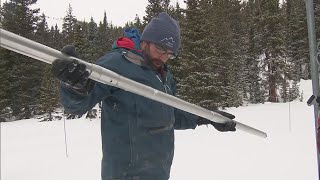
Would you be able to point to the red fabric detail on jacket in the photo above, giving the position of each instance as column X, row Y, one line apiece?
column 124, row 42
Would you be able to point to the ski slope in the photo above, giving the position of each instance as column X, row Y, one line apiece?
column 37, row 151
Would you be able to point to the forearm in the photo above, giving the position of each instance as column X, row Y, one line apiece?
column 184, row 120
column 74, row 102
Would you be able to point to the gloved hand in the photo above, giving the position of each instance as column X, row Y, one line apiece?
column 72, row 72
column 222, row 127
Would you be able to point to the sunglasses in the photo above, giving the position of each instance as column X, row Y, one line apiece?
column 162, row 50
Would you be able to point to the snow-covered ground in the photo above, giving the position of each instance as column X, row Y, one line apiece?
column 37, row 151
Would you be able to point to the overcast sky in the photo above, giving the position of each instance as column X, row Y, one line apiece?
column 118, row 11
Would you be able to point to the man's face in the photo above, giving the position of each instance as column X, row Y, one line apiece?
column 156, row 54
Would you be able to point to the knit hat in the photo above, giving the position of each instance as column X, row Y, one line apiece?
column 163, row 30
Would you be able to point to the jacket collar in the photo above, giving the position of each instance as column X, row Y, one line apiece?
column 139, row 59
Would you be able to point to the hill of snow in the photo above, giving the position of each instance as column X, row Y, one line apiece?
column 36, row 150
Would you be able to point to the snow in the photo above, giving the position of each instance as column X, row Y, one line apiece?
column 36, row 150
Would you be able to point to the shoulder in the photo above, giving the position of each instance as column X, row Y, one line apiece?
column 113, row 60
column 118, row 61
column 111, row 57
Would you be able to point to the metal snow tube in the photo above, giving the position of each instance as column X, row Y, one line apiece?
column 46, row 54
column 314, row 65
column 313, row 54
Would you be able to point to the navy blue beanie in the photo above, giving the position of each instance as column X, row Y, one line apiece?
column 163, row 30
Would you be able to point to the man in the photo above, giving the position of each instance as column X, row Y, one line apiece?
column 137, row 133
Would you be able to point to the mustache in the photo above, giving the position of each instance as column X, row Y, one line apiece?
column 154, row 62
column 158, row 61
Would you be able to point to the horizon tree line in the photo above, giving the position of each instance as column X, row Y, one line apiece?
column 233, row 52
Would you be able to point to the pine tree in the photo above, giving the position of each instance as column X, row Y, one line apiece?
column 92, row 40
column 175, row 65
column 270, row 26
column 253, row 91
column 4, row 85
column 197, row 53
column 69, row 23
column 24, row 76
column 155, row 7
column 165, row 4
column 48, row 87
column 92, row 31
column 177, row 13
column 104, row 37
column 297, row 39
column 229, row 40
column 48, row 100
column 294, row 92
column 56, row 38
column 152, row 10
column 42, row 33
column 138, row 23
column 80, row 41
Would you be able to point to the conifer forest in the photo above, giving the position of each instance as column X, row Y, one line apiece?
column 233, row 52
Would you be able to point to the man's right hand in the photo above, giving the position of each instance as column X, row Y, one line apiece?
column 222, row 127
column 72, row 72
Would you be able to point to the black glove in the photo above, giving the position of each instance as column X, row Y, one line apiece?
column 222, row 127
column 73, row 73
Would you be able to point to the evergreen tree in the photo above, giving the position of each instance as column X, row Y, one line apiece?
column 24, row 73
column 177, row 12
column 69, row 23
column 165, row 4
column 80, row 41
column 197, row 71
column 92, row 31
column 92, row 40
column 5, row 97
column 56, row 38
column 155, row 7
column 228, row 40
column 42, row 34
column 175, row 65
column 232, row 50
column 48, row 100
column 104, row 37
column 294, row 92
column 213, row 60
column 115, row 32
column 253, row 91
column 270, row 26
column 297, row 39
column 138, row 23
column 152, row 10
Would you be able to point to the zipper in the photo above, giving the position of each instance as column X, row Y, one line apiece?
column 132, row 153
column 163, row 83
column 165, row 88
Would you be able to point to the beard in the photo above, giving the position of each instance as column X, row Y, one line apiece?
column 155, row 63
